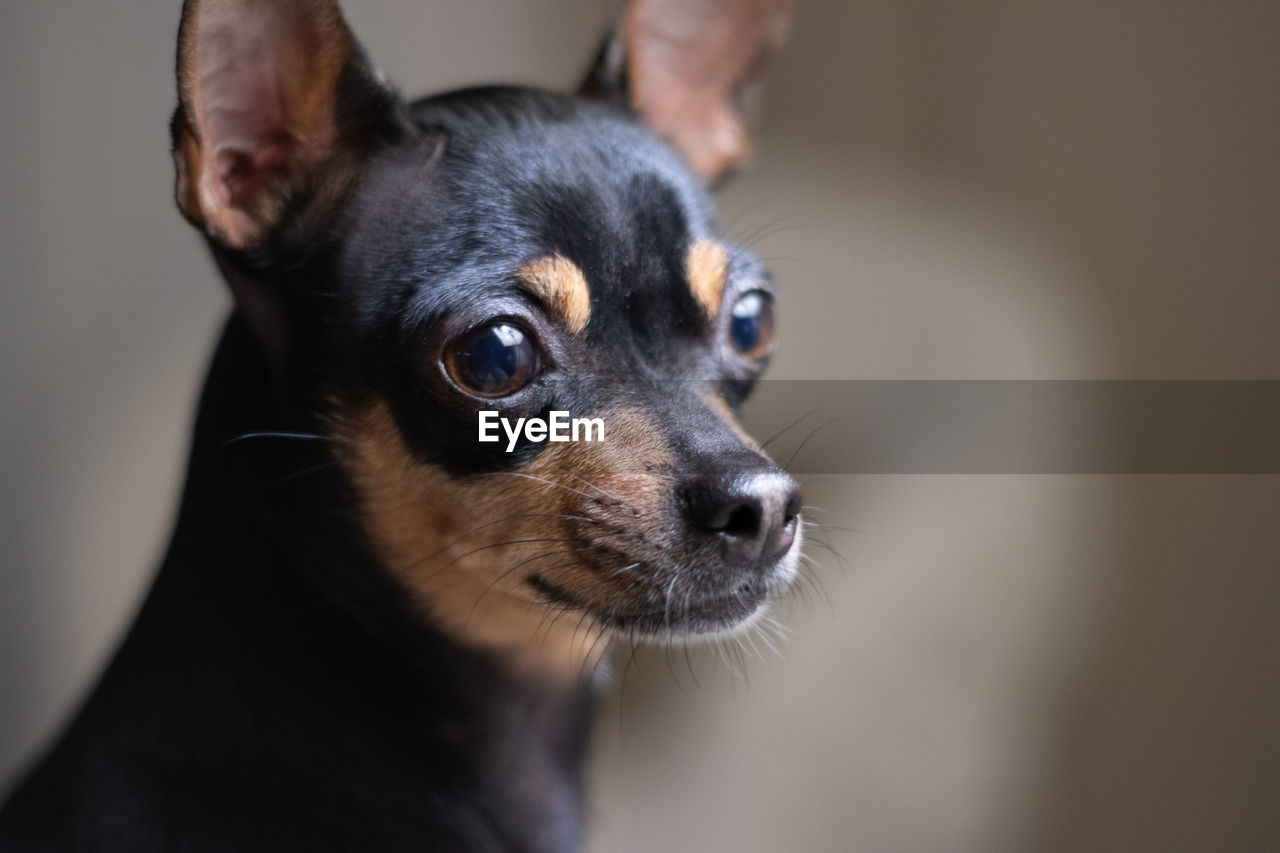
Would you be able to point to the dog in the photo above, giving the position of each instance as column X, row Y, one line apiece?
column 382, row 620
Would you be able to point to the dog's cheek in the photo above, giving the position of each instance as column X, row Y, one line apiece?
column 465, row 547
column 456, row 544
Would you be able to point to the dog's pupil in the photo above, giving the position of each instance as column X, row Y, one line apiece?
column 494, row 360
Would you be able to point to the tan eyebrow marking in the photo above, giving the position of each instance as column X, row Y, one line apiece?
column 559, row 283
column 708, row 270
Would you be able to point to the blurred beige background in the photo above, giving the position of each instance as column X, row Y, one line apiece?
column 978, row 190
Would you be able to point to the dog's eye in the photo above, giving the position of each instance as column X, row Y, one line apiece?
column 493, row 360
column 751, row 323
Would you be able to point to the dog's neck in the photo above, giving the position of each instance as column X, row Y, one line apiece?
column 271, row 632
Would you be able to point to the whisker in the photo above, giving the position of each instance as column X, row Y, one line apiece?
column 764, row 231
column 607, row 494
column 781, row 630
column 623, row 569
column 819, row 429
column 824, row 527
column 812, row 579
column 299, row 436
column 782, row 431
column 666, row 612
column 725, row 232
column 762, row 632
column 540, row 480
column 747, row 639
column 601, row 636
column 262, row 489
column 507, row 574
column 688, row 663
column 844, row 564
column 474, row 530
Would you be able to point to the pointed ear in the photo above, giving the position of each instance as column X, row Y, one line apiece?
column 691, row 69
column 276, row 101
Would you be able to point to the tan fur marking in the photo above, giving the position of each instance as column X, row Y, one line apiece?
column 708, row 271
column 462, row 547
column 559, row 283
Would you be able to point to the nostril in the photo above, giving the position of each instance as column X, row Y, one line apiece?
column 792, row 510
column 718, row 505
column 743, row 520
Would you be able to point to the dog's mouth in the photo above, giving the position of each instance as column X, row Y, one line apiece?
column 673, row 613
column 683, row 615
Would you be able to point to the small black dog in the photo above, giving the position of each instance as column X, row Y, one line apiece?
column 374, row 630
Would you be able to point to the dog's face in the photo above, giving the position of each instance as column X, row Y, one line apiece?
column 516, row 252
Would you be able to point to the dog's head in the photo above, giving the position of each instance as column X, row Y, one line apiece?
column 411, row 265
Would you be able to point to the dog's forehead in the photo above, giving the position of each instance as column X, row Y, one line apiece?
column 503, row 182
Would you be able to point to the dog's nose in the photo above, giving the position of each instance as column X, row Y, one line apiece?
column 751, row 509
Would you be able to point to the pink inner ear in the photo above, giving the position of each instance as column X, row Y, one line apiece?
column 688, row 58
column 242, row 178
column 258, row 85
column 243, row 110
